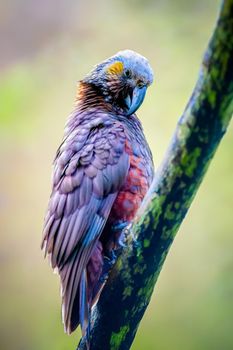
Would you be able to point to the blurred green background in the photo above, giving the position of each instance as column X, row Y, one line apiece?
column 46, row 46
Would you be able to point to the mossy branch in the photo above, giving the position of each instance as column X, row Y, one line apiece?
column 200, row 129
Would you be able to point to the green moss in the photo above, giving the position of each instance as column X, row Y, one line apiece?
column 166, row 232
column 146, row 243
column 169, row 213
column 226, row 112
column 140, row 266
column 183, row 132
column 145, row 292
column 203, row 135
column 189, row 161
column 117, row 338
column 215, row 73
column 212, row 98
column 224, row 58
column 169, row 233
column 127, row 292
column 139, row 269
column 119, row 264
column 140, row 259
column 156, row 209
column 146, row 221
column 126, row 272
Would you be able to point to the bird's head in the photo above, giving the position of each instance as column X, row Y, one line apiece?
column 122, row 80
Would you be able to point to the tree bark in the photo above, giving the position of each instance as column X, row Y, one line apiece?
column 127, row 293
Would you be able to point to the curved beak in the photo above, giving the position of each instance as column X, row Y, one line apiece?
column 134, row 102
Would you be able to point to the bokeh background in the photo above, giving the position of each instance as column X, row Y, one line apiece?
column 46, row 47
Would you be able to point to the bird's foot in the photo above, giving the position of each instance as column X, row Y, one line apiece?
column 122, row 231
column 126, row 236
column 109, row 261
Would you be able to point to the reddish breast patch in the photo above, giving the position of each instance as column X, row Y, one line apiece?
column 133, row 191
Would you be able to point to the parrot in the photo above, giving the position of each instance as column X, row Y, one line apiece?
column 101, row 173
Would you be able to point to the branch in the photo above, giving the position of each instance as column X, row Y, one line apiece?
column 200, row 129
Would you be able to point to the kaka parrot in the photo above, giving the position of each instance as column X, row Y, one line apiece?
column 102, row 171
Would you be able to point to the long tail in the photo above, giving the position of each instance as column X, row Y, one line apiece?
column 84, row 307
column 78, row 286
column 76, row 308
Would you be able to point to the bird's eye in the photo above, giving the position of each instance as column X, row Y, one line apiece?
column 140, row 84
column 128, row 73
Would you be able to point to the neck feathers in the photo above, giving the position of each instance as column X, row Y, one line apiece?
column 89, row 96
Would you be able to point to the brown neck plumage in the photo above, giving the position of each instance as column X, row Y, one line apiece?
column 88, row 96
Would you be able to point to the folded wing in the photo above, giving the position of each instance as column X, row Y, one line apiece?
column 90, row 167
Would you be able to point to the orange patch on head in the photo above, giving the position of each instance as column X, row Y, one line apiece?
column 116, row 68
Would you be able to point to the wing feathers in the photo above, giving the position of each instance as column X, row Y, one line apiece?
column 90, row 167
column 98, row 184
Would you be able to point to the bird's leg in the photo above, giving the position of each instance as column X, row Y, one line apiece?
column 113, row 248
column 109, row 261
column 120, row 233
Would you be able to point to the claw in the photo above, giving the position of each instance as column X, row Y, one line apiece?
column 109, row 261
column 125, row 236
column 112, row 257
column 122, row 240
column 120, row 226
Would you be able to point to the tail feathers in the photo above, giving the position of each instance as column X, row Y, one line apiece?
column 75, row 303
column 79, row 277
column 79, row 312
column 84, row 307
